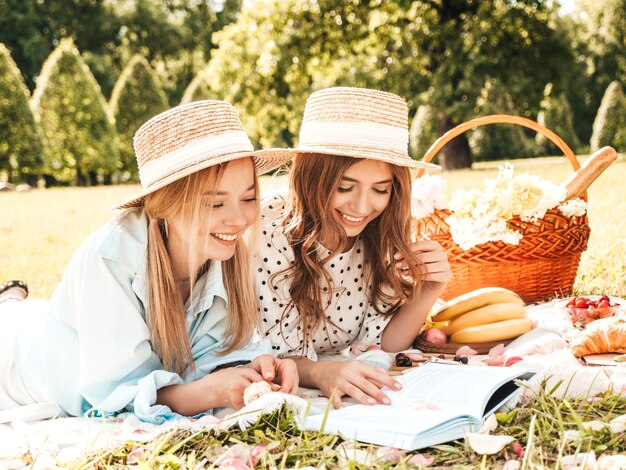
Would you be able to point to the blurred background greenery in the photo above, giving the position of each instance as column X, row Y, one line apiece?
column 78, row 77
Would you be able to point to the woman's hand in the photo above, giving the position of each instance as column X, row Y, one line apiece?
column 355, row 379
column 432, row 262
column 281, row 373
column 228, row 385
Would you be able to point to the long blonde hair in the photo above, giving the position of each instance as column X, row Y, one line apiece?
column 313, row 178
column 165, row 309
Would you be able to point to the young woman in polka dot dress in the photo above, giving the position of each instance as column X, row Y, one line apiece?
column 336, row 266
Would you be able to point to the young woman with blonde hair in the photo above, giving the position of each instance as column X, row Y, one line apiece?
column 339, row 266
column 157, row 308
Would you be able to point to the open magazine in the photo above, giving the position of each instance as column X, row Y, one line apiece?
column 438, row 403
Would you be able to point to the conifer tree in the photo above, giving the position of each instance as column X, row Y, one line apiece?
column 21, row 146
column 609, row 126
column 199, row 89
column 423, row 131
column 77, row 127
column 556, row 115
column 497, row 141
column 136, row 97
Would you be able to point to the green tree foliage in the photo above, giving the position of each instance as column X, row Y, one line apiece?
column 78, row 130
column 609, row 127
column 423, row 131
column 556, row 115
column 279, row 51
column 136, row 97
column 21, row 147
column 497, row 141
column 199, row 89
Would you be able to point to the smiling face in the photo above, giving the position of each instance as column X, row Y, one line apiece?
column 363, row 194
column 226, row 211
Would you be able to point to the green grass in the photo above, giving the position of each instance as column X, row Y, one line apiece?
column 539, row 427
column 40, row 230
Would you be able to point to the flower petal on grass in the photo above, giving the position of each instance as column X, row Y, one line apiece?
column 135, row 456
column 348, row 452
column 511, row 465
column 610, row 462
column 491, row 423
column 236, row 457
column 389, row 454
column 485, row 444
column 582, row 461
column 420, row 460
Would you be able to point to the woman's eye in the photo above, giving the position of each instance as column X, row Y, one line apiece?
column 382, row 191
column 344, row 190
column 250, row 199
column 216, row 205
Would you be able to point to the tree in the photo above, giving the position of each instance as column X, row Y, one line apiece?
column 609, row 127
column 497, row 141
column 136, row 97
column 279, row 51
column 21, row 147
column 78, row 130
column 556, row 115
column 423, row 131
column 199, row 89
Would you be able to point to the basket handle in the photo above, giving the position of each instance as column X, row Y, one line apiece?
column 501, row 119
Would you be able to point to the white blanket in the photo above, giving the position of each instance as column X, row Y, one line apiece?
column 61, row 440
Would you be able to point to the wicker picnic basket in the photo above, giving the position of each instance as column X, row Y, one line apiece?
column 545, row 262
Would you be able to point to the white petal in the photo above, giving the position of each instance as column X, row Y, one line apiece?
column 491, row 423
column 486, row 444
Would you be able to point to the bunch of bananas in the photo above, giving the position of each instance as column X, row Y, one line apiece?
column 484, row 315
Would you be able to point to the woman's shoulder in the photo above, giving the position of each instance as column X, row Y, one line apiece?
column 124, row 234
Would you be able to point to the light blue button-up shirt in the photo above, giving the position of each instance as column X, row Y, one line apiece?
column 90, row 353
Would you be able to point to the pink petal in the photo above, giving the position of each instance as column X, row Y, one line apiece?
column 496, row 360
column 134, row 456
column 389, row 454
column 518, row 449
column 466, row 351
column 512, row 360
column 256, row 453
column 235, row 458
column 497, row 350
column 375, row 347
column 421, row 460
column 359, row 348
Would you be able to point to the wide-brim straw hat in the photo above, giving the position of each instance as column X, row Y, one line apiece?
column 189, row 138
column 356, row 122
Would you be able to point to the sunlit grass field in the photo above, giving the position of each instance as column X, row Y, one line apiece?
column 40, row 229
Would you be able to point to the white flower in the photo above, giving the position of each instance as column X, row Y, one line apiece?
column 428, row 194
column 573, row 207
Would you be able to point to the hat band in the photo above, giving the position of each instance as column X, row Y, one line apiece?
column 361, row 134
column 199, row 150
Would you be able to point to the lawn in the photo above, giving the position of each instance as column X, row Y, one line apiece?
column 40, row 229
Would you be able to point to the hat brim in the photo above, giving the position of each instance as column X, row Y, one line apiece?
column 398, row 160
column 263, row 164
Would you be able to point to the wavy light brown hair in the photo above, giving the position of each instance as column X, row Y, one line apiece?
column 165, row 310
column 313, row 178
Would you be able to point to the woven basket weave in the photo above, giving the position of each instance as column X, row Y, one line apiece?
column 545, row 262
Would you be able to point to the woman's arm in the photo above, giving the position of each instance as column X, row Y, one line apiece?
column 407, row 322
column 353, row 378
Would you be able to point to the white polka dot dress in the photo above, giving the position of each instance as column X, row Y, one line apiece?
column 351, row 317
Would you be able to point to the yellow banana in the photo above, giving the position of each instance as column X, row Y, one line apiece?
column 488, row 314
column 501, row 330
column 476, row 299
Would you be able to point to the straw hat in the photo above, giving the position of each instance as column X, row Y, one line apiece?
column 190, row 138
column 356, row 122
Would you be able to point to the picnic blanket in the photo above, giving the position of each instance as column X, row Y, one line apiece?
column 52, row 442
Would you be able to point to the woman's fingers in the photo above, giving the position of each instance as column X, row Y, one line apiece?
column 266, row 365
column 288, row 375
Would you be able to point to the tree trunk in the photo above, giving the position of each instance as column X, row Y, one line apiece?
column 456, row 154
